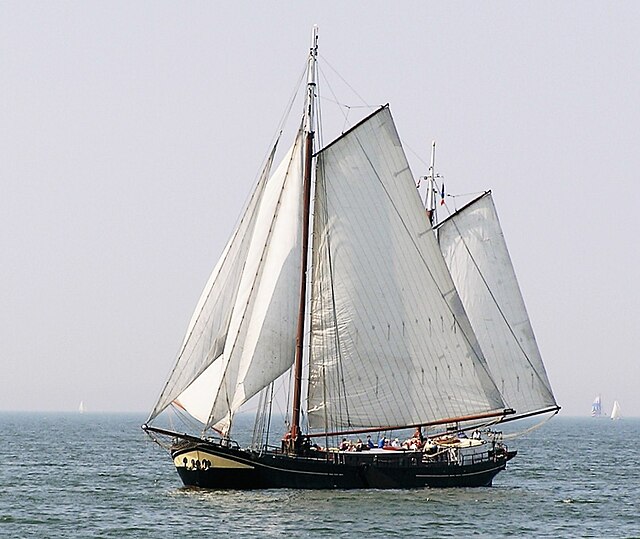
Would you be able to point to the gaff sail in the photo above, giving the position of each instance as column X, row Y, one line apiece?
column 390, row 341
column 473, row 246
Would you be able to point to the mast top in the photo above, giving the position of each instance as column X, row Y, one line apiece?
column 314, row 40
column 311, row 81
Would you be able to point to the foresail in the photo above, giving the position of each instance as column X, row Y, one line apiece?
column 197, row 399
column 207, row 331
column 390, row 342
column 261, row 339
column 473, row 246
column 247, row 307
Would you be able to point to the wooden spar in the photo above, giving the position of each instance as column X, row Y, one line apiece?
column 306, row 201
column 165, row 432
column 473, row 426
column 499, row 413
column 555, row 409
column 297, row 388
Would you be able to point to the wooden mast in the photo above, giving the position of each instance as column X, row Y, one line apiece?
column 306, row 201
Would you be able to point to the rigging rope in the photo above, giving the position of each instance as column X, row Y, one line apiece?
column 343, row 80
column 530, row 429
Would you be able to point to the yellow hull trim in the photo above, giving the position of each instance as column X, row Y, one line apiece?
column 215, row 461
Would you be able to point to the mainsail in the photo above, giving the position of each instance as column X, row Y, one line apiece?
column 242, row 333
column 390, row 341
column 474, row 248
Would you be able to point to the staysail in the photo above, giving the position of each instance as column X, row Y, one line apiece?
column 390, row 341
column 476, row 254
column 241, row 336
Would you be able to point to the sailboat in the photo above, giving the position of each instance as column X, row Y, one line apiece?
column 81, row 408
column 339, row 283
column 596, row 407
column 615, row 411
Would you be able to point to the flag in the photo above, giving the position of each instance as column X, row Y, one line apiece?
column 442, row 195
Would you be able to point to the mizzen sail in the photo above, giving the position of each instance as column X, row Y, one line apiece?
column 474, row 248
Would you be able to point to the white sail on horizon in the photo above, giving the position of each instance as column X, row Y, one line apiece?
column 596, row 407
column 615, row 411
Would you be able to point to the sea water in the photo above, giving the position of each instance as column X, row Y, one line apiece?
column 98, row 475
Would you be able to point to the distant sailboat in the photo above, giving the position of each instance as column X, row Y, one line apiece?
column 596, row 407
column 615, row 412
column 81, row 407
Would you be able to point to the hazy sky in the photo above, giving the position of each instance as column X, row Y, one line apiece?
column 131, row 134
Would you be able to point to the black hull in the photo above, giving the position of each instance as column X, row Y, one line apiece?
column 217, row 467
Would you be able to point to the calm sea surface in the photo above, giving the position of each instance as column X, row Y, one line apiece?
column 71, row 475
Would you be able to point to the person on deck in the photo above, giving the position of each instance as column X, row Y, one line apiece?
column 286, row 442
column 429, row 447
column 370, row 443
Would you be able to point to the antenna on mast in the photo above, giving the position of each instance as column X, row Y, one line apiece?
column 432, row 190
